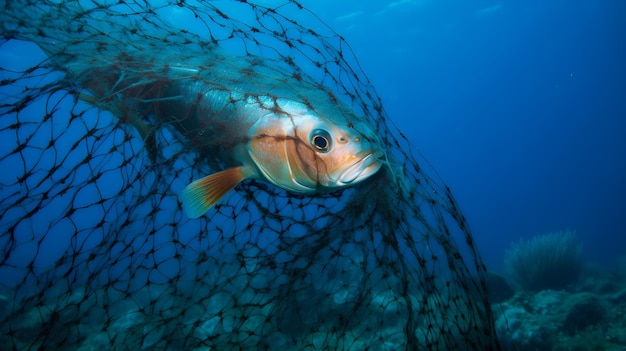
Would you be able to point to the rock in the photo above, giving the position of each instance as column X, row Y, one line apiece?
column 585, row 311
column 499, row 289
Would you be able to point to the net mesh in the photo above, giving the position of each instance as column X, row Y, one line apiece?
column 97, row 252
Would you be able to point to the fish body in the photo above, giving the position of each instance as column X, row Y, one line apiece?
column 271, row 138
column 245, row 117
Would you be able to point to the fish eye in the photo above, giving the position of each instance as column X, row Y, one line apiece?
column 320, row 140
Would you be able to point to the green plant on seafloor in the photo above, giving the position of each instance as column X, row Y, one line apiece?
column 549, row 261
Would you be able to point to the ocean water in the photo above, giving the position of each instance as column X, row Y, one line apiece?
column 519, row 107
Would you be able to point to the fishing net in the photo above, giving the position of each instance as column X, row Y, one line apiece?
column 97, row 252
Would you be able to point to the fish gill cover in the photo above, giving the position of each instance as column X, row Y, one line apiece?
column 97, row 251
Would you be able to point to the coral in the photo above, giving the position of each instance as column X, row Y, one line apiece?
column 550, row 261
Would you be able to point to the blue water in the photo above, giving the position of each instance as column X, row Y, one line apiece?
column 520, row 106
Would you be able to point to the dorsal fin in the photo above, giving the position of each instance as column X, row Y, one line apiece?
column 199, row 196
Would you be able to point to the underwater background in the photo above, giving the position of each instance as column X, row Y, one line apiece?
column 521, row 109
column 519, row 105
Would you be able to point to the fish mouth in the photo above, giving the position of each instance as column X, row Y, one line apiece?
column 362, row 169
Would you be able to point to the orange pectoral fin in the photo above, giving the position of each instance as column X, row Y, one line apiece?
column 199, row 196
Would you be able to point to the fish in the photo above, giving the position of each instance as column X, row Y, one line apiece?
column 291, row 146
column 307, row 142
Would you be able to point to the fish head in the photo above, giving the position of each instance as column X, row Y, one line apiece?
column 303, row 152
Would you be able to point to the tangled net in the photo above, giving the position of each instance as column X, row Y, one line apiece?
column 96, row 250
